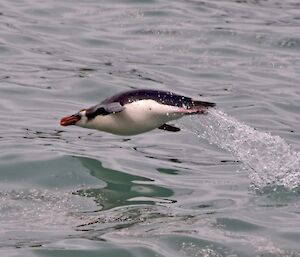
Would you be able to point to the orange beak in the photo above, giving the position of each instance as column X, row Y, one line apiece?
column 70, row 120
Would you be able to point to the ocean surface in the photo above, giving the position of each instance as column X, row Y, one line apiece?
column 227, row 184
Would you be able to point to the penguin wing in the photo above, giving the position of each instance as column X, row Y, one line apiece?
column 104, row 109
column 113, row 107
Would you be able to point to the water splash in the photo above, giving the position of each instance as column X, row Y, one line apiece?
column 269, row 160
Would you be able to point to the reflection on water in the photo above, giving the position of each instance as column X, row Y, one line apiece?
column 121, row 189
column 62, row 210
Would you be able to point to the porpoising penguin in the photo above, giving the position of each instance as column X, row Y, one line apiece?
column 137, row 111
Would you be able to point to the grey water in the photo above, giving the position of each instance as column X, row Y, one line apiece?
column 227, row 184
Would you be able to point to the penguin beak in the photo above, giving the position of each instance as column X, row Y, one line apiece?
column 70, row 120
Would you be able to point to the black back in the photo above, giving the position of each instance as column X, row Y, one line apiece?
column 162, row 97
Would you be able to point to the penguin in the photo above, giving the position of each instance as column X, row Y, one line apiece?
column 137, row 111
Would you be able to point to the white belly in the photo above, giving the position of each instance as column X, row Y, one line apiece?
column 138, row 117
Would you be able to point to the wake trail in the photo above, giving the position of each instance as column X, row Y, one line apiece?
column 268, row 159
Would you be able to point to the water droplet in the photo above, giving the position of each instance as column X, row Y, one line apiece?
column 268, row 159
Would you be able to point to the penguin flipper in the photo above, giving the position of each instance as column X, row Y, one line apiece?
column 169, row 128
column 104, row 109
column 113, row 107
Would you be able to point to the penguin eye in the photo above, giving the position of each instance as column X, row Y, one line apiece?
column 80, row 112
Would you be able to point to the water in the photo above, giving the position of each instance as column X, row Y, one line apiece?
column 226, row 185
column 268, row 159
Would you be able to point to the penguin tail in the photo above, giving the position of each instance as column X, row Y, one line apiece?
column 203, row 104
column 198, row 107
